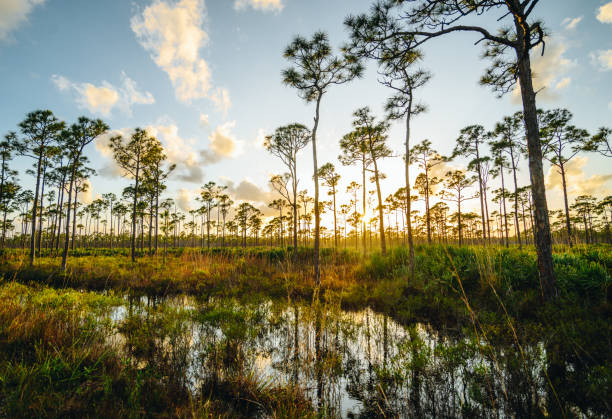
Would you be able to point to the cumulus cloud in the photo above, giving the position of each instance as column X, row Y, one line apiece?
column 13, row 13
column 102, row 99
column 185, row 198
column 189, row 160
column 603, row 59
column 571, row 23
column 172, row 32
column 442, row 168
column 264, row 5
column 604, row 14
column 204, row 120
column 110, row 169
column 246, row 190
column 578, row 183
column 549, row 72
column 179, row 151
column 223, row 144
column 86, row 197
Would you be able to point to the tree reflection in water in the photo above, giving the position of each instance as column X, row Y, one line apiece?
column 350, row 364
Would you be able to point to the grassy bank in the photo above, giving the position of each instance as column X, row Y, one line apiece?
column 445, row 278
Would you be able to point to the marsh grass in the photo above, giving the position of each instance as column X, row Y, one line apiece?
column 60, row 357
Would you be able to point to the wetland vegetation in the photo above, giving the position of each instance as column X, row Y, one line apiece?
column 459, row 267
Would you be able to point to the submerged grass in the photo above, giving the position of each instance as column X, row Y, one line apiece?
column 60, row 356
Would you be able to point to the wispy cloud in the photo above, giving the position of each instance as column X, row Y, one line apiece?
column 263, row 5
column 563, row 83
column 571, row 23
column 222, row 100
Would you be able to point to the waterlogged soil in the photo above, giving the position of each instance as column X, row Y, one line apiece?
column 349, row 364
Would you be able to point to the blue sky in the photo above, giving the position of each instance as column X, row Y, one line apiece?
column 204, row 76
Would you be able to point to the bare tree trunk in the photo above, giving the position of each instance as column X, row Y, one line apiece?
column 408, row 200
column 67, row 238
column 151, row 228
column 42, row 207
column 459, row 218
column 501, row 171
column 363, row 223
column 487, row 214
column 427, row 204
column 568, row 223
column 134, row 203
column 74, row 219
column 60, row 215
column 482, row 209
column 35, row 207
column 517, row 226
column 381, row 225
column 317, row 269
column 543, row 240
column 335, row 224
column 3, row 165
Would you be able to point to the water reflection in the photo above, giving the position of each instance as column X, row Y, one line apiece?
column 349, row 364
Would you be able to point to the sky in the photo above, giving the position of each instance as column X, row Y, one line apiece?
column 204, row 77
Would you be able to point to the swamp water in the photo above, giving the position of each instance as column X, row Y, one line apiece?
column 348, row 364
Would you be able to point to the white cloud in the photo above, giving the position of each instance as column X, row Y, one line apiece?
column 189, row 161
column 172, row 32
column 99, row 99
column 223, row 144
column 569, row 23
column 577, row 181
column 603, row 59
column 86, row 197
column 61, row 82
column 604, row 14
column 13, row 13
column 248, row 191
column 184, row 198
column 204, row 120
column 180, row 152
column 549, row 72
column 563, row 83
column 264, row 5
column 260, row 139
column 222, row 100
column 610, row 106
column 102, row 99
column 131, row 94
column 110, row 169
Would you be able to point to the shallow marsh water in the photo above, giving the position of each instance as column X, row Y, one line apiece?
column 349, row 364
